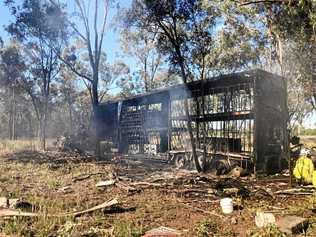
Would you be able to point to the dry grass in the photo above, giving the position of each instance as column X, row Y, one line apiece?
column 37, row 178
column 309, row 141
column 19, row 145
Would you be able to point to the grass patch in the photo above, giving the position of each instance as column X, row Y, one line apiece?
column 19, row 145
column 207, row 228
column 127, row 229
column 269, row 231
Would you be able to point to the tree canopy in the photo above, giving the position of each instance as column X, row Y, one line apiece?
column 56, row 54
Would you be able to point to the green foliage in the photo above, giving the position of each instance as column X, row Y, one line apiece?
column 308, row 131
column 127, row 229
column 207, row 228
column 294, row 24
column 15, row 226
column 269, row 231
column 210, row 37
column 54, row 184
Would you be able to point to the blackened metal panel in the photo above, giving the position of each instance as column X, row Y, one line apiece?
column 107, row 122
column 271, row 119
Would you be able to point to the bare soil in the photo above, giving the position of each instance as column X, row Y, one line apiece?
column 158, row 195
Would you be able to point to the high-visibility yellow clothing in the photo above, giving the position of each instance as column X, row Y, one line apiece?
column 304, row 169
column 314, row 178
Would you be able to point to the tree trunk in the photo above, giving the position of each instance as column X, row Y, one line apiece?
column 70, row 117
column 204, row 129
column 30, row 126
column 95, row 103
column 187, row 115
column 14, row 118
column 43, row 123
column 10, row 123
column 43, row 132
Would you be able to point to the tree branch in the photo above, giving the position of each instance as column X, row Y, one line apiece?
column 96, row 36
column 74, row 70
column 106, row 9
column 263, row 1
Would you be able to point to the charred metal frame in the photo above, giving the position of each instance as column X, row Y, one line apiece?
column 241, row 115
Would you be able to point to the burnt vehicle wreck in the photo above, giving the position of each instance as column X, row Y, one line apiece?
column 241, row 117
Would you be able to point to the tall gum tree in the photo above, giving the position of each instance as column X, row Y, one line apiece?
column 37, row 25
column 12, row 68
column 200, row 39
column 169, row 20
column 89, row 27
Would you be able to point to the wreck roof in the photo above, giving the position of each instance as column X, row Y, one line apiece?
column 224, row 80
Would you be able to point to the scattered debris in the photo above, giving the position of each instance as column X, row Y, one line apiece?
column 237, row 172
column 233, row 221
column 81, row 177
column 162, row 231
column 11, row 212
column 4, row 202
column 119, row 209
column 295, row 191
column 227, row 205
column 22, row 205
column 84, row 176
column 203, row 211
column 14, row 203
column 106, row 183
column 263, row 219
column 293, row 224
column 230, row 191
column 127, row 187
column 261, row 193
column 54, row 166
column 66, row 189
column 104, row 205
column 231, row 187
column 173, row 193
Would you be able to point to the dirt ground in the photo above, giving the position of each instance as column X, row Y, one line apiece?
column 150, row 193
column 308, row 141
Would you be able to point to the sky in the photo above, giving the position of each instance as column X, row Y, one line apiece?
column 111, row 43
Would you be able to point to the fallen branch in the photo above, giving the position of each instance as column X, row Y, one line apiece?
column 199, row 192
column 85, row 176
column 12, row 212
column 295, row 191
column 126, row 187
column 147, row 184
column 263, row 1
column 98, row 207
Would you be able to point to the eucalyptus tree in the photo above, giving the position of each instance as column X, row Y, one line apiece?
column 12, row 69
column 142, row 46
column 291, row 28
column 38, row 25
column 199, row 38
column 88, row 28
column 88, row 25
column 169, row 20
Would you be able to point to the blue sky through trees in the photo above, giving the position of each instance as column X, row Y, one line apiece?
column 111, row 42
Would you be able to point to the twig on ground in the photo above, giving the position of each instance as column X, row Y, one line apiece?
column 202, row 210
column 12, row 212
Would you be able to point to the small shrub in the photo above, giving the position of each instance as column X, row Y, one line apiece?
column 54, row 184
column 269, row 231
column 207, row 228
column 126, row 229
